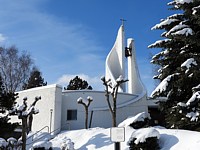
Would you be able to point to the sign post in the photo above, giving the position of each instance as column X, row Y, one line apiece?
column 117, row 136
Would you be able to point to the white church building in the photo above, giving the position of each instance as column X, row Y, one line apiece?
column 59, row 110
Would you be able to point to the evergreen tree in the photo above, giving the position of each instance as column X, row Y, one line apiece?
column 35, row 79
column 7, row 101
column 179, row 61
column 78, row 84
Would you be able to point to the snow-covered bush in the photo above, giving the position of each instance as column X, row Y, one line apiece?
column 42, row 145
column 144, row 139
column 140, row 120
column 3, row 143
column 67, row 144
column 10, row 144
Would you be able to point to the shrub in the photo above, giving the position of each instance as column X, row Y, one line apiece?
column 151, row 143
column 144, row 139
column 141, row 124
column 42, row 145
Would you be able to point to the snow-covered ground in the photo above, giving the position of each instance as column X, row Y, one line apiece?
column 99, row 139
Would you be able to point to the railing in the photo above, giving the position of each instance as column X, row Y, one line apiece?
column 50, row 133
column 68, row 127
column 37, row 133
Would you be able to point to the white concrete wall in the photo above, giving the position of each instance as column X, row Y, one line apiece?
column 135, row 85
column 59, row 102
column 115, row 61
column 51, row 99
column 128, row 105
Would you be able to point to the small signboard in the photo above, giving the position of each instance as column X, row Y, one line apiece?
column 117, row 134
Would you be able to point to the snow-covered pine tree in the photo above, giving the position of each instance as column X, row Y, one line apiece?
column 35, row 79
column 179, row 61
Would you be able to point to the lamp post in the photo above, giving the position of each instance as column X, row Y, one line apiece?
column 51, row 111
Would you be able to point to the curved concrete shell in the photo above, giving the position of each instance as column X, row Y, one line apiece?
column 115, row 60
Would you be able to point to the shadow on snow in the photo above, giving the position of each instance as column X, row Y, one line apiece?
column 97, row 141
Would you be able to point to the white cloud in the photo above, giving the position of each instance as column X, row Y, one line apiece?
column 95, row 82
column 56, row 44
column 2, row 38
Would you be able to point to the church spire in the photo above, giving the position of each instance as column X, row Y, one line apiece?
column 122, row 20
column 115, row 61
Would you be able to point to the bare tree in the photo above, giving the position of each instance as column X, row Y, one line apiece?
column 14, row 68
column 114, row 92
column 86, row 104
column 23, row 113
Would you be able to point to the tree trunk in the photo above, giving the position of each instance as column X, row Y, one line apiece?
column 114, row 112
column 114, row 124
column 29, row 123
column 24, row 130
column 86, row 117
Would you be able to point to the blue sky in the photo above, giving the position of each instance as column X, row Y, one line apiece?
column 73, row 37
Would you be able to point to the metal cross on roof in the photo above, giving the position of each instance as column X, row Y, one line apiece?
column 122, row 20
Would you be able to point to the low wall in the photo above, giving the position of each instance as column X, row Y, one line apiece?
column 99, row 114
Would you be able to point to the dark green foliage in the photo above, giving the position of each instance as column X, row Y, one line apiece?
column 7, row 101
column 142, row 124
column 35, row 80
column 6, row 128
column 78, row 84
column 150, row 144
column 175, row 50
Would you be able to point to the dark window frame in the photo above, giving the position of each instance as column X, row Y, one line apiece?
column 71, row 114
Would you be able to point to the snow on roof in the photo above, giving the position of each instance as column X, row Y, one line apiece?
column 142, row 134
column 139, row 117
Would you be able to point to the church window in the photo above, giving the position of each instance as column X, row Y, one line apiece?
column 72, row 114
